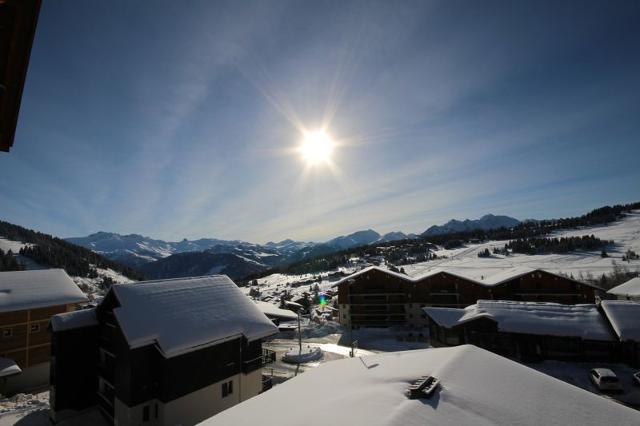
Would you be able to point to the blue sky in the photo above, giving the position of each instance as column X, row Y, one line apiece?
column 179, row 119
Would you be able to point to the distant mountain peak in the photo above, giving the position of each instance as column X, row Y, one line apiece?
column 486, row 222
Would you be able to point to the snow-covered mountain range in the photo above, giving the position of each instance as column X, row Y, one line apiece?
column 486, row 222
column 158, row 258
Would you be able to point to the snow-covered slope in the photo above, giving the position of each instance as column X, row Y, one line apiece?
column 625, row 233
column 465, row 261
column 92, row 287
column 136, row 250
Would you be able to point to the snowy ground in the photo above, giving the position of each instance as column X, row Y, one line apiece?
column 577, row 374
column 90, row 286
column 465, row 261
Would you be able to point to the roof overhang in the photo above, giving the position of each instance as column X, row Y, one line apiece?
column 18, row 19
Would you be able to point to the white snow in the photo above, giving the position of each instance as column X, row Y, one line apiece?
column 630, row 288
column 75, row 319
column 183, row 313
column 308, row 354
column 272, row 310
column 8, row 367
column 550, row 319
column 465, row 260
column 21, row 290
column 14, row 246
column 477, row 388
column 624, row 317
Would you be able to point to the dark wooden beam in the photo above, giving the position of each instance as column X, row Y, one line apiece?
column 18, row 19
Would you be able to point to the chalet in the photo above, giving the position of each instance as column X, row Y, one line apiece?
column 28, row 299
column 377, row 297
column 274, row 313
column 161, row 352
column 629, row 290
column 526, row 330
column 476, row 387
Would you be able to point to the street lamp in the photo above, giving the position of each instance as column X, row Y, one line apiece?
column 297, row 311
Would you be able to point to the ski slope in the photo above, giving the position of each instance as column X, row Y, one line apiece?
column 465, row 261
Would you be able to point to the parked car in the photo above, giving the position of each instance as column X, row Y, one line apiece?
column 636, row 378
column 605, row 380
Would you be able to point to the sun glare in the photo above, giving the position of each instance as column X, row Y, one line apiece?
column 316, row 148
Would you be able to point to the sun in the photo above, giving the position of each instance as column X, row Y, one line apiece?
column 316, row 148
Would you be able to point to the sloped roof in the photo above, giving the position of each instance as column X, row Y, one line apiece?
column 373, row 268
column 624, row 317
column 451, row 317
column 629, row 288
column 20, row 290
column 477, row 387
column 550, row 319
column 184, row 313
column 73, row 320
column 271, row 310
column 488, row 281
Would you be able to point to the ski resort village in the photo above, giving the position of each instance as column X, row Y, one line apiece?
column 229, row 213
column 459, row 338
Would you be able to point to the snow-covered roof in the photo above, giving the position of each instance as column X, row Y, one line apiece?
column 451, row 317
column 373, row 268
column 490, row 280
column 271, row 310
column 550, row 319
column 629, row 288
column 20, row 290
column 73, row 320
column 624, row 317
column 184, row 313
column 8, row 367
column 477, row 387
column 506, row 275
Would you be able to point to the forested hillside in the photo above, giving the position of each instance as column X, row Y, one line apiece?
column 524, row 236
column 55, row 252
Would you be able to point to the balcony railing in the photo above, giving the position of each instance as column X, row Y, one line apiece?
column 267, row 357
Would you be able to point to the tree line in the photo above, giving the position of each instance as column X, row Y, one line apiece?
column 556, row 245
column 58, row 253
column 421, row 249
column 8, row 262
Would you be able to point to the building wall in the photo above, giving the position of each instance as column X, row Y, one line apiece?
column 24, row 335
column 25, row 338
column 484, row 333
column 541, row 286
column 378, row 299
column 73, row 370
column 192, row 408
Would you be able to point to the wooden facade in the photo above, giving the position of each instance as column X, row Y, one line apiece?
column 24, row 335
column 484, row 333
column 18, row 19
column 377, row 298
column 117, row 378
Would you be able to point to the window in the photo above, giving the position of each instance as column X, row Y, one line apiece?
column 7, row 332
column 227, row 388
column 145, row 413
column 35, row 328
